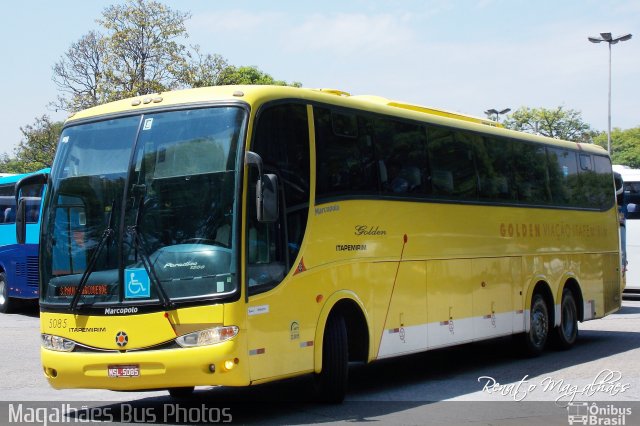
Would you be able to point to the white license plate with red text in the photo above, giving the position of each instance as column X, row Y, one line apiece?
column 123, row 370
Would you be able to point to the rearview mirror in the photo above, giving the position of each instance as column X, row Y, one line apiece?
column 266, row 191
column 617, row 179
column 268, row 204
column 21, row 203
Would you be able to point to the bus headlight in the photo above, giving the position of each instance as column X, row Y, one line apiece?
column 209, row 336
column 57, row 343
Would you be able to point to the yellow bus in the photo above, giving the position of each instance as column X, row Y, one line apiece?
column 238, row 235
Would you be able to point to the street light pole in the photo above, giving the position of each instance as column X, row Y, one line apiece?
column 497, row 113
column 610, row 40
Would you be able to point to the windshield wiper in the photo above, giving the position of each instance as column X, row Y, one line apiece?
column 106, row 234
column 146, row 259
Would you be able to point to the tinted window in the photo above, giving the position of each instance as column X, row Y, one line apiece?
column 7, row 204
column 345, row 156
column 530, row 173
column 402, row 157
column 493, row 159
column 604, row 193
column 282, row 140
column 632, row 200
column 451, row 159
column 373, row 155
column 563, row 176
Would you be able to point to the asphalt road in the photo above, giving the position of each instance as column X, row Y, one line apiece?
column 482, row 383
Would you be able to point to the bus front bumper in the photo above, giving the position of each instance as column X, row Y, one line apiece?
column 220, row 364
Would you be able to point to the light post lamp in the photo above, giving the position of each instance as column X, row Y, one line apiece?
column 606, row 37
column 497, row 113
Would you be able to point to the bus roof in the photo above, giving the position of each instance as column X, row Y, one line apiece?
column 257, row 94
column 628, row 174
column 15, row 178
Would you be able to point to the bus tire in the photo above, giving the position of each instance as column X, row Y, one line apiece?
column 536, row 338
column 566, row 333
column 331, row 382
column 181, row 393
column 6, row 303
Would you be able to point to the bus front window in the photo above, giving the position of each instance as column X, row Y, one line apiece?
column 142, row 209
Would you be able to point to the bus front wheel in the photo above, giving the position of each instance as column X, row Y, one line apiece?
column 331, row 382
column 181, row 393
column 567, row 333
column 5, row 302
column 536, row 338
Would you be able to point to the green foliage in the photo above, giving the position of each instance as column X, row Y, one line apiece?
column 250, row 75
column 141, row 51
column 555, row 123
column 80, row 74
column 625, row 146
column 144, row 53
column 202, row 70
column 37, row 148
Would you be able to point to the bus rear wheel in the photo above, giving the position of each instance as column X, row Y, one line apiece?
column 567, row 333
column 5, row 302
column 331, row 383
column 535, row 339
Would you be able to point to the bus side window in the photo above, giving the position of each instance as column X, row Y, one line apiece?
column 495, row 173
column 563, row 176
column 7, row 204
column 402, row 152
column 530, row 174
column 452, row 162
column 346, row 164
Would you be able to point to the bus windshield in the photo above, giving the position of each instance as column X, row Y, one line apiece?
column 141, row 209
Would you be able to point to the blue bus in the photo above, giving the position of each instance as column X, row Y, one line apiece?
column 19, row 249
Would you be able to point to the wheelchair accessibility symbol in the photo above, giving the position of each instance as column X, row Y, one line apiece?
column 137, row 284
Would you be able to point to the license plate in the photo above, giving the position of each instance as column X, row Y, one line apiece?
column 123, row 370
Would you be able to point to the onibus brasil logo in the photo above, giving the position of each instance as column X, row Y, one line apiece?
column 592, row 414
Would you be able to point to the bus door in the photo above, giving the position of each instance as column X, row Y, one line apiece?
column 281, row 325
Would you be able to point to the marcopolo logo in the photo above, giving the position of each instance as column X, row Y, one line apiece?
column 121, row 311
column 592, row 414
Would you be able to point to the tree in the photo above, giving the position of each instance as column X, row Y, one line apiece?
column 555, row 123
column 80, row 74
column 250, row 75
column 625, row 146
column 36, row 150
column 144, row 50
column 202, row 70
column 139, row 53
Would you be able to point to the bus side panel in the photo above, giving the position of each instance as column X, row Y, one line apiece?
column 612, row 283
column 449, row 299
column 592, row 272
column 405, row 329
column 10, row 258
column 492, row 297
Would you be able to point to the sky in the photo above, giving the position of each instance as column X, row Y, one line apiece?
column 465, row 55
